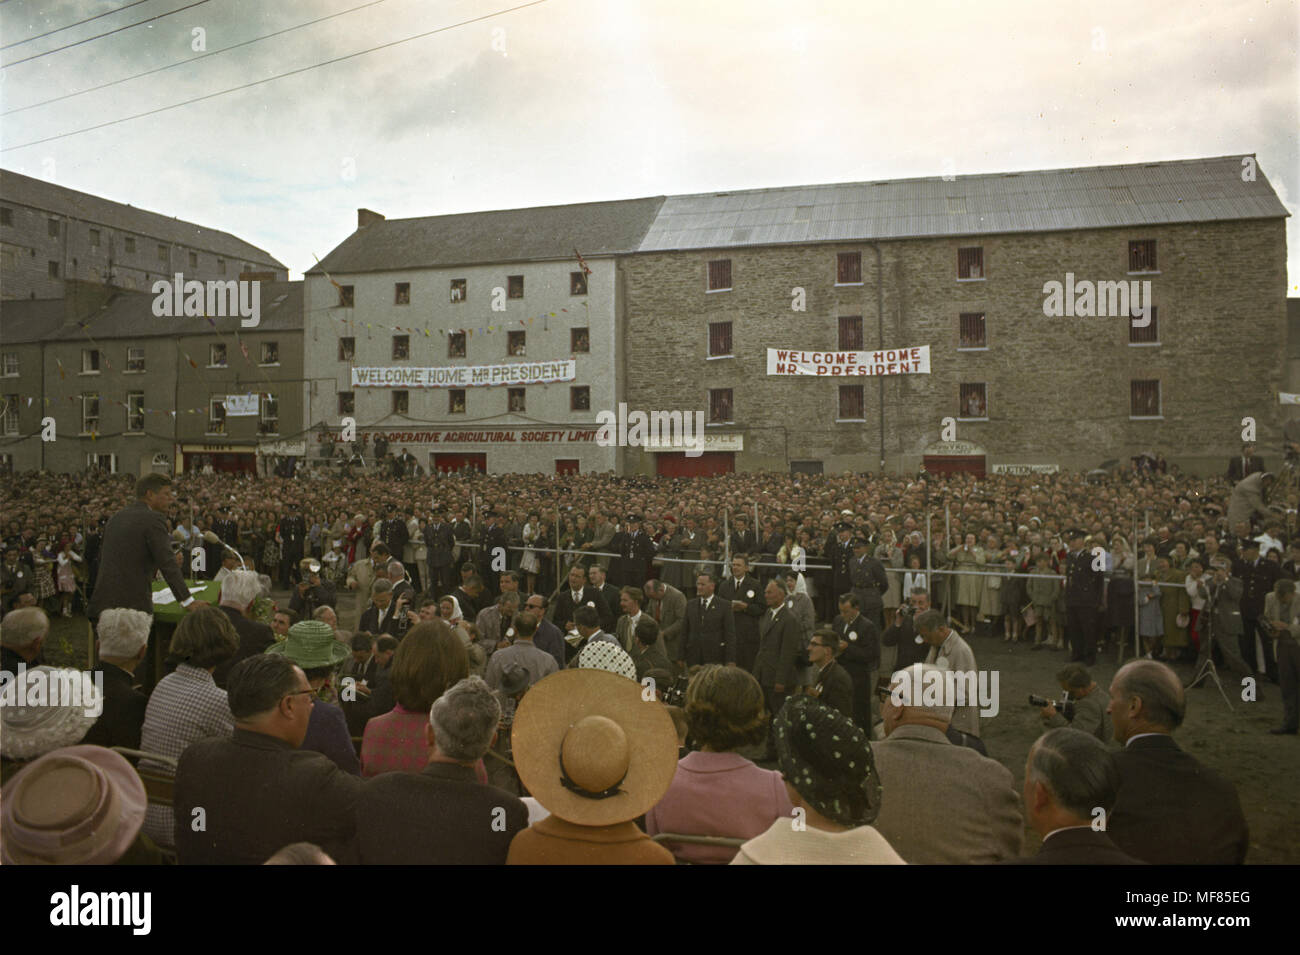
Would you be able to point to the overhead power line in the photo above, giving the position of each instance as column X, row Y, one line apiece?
column 100, row 36
column 278, row 76
column 134, row 3
column 194, row 59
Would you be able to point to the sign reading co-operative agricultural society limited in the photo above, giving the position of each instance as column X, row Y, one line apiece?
column 839, row 364
column 467, row 376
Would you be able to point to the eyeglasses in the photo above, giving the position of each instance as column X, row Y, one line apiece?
column 310, row 694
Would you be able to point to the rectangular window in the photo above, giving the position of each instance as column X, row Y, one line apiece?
column 90, row 412
column 577, row 283
column 162, row 253
column 10, row 421
column 970, row 330
column 6, row 216
column 216, row 415
column 53, row 228
column 459, row 290
column 94, row 238
column 270, row 353
column 848, row 268
column 580, row 398
column 135, row 359
column 720, row 406
column 129, row 244
column 102, row 462
column 402, row 293
column 516, row 344
column 972, row 401
column 1144, row 399
column 217, row 356
column 720, row 275
column 221, row 266
column 850, row 333
column 90, row 361
column 347, row 349
column 514, row 286
column 455, row 344
column 401, row 347
column 456, row 401
column 1142, row 255
column 515, row 400
column 135, row 412
column 53, row 269
column 1148, row 335
column 194, row 260
column 401, row 402
column 579, row 340
column 970, row 263
column 270, row 415
column 346, row 297
column 719, row 339
column 11, row 364
column 853, row 405
column 347, row 402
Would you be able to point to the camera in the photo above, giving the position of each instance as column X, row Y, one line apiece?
column 675, row 695
column 1064, row 706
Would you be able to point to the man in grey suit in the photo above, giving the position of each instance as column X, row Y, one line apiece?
column 667, row 605
column 136, row 545
column 950, row 652
column 604, row 534
column 943, row 804
column 780, row 638
column 709, row 633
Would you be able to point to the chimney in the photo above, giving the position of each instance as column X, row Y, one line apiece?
column 365, row 217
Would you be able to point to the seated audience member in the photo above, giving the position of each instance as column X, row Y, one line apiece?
column 1171, row 809
column 430, row 659
column 311, row 646
column 716, row 791
column 946, row 804
column 647, row 647
column 381, row 616
column 1069, row 776
column 1090, row 704
column 451, row 615
column 381, row 698
column 187, row 705
column 523, row 653
column 826, row 762
column 616, row 755
column 123, row 642
column 257, row 789
column 61, row 716
column 238, row 592
column 443, row 815
column 300, row 853
column 22, row 635
column 78, row 805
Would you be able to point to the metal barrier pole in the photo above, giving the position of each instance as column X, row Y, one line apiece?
column 1137, row 638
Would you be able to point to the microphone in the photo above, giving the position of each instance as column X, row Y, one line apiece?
column 212, row 538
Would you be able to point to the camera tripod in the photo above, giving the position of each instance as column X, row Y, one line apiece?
column 1206, row 667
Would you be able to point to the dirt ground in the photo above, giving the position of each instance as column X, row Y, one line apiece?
column 1265, row 769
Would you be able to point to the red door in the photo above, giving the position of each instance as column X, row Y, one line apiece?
column 954, row 464
column 456, row 461
column 677, row 464
column 566, row 466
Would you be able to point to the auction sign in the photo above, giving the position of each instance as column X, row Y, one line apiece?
column 467, row 376
column 841, row 364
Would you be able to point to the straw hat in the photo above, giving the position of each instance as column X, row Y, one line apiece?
column 311, row 644
column 82, row 805
column 591, row 749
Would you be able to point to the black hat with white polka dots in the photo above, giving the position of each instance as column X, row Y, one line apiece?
column 827, row 758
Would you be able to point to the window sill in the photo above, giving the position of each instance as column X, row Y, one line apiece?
column 714, row 291
column 268, row 364
column 133, row 434
column 850, row 420
column 972, row 347
column 1145, row 417
column 1144, row 344
column 718, row 424
column 87, row 374
column 134, row 371
column 850, row 284
column 1155, row 272
column 219, row 367
column 980, row 279
column 88, row 434
column 717, row 357
column 985, row 418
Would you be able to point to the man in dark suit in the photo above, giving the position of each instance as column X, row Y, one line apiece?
column 860, row 657
column 1170, row 809
column 258, row 790
column 902, row 634
column 743, row 540
column 493, row 555
column 439, row 540
column 640, row 551
column 1257, row 577
column 238, row 592
column 1245, row 464
column 15, row 578
column 619, row 543
column 443, row 813
column 744, row 593
column 292, row 534
column 869, row 582
column 381, row 615
column 137, row 545
column 834, row 686
column 471, row 596
column 578, row 594
column 608, row 593
column 709, row 633
column 1083, row 594
column 548, row 637
column 780, row 641
column 1069, row 776
column 123, row 641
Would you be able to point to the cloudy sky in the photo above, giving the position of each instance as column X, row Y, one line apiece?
column 577, row 100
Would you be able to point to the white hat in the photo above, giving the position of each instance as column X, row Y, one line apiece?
column 603, row 655
column 55, row 702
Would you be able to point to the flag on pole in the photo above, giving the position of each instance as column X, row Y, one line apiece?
column 582, row 262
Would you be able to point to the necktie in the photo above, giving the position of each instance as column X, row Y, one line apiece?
column 659, row 606
column 707, row 601
column 577, row 598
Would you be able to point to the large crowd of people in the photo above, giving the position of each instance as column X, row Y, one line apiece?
column 447, row 639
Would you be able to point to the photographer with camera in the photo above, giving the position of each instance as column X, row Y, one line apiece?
column 1083, row 707
column 311, row 591
column 902, row 634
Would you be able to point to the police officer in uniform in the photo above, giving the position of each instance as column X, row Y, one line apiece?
column 1083, row 594
column 293, row 536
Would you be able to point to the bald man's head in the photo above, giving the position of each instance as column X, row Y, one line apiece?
column 1146, row 696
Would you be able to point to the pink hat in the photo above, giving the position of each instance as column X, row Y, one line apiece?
column 81, row 805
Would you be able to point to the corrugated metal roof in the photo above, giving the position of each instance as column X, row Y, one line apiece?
column 511, row 235
column 39, row 194
column 1193, row 190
